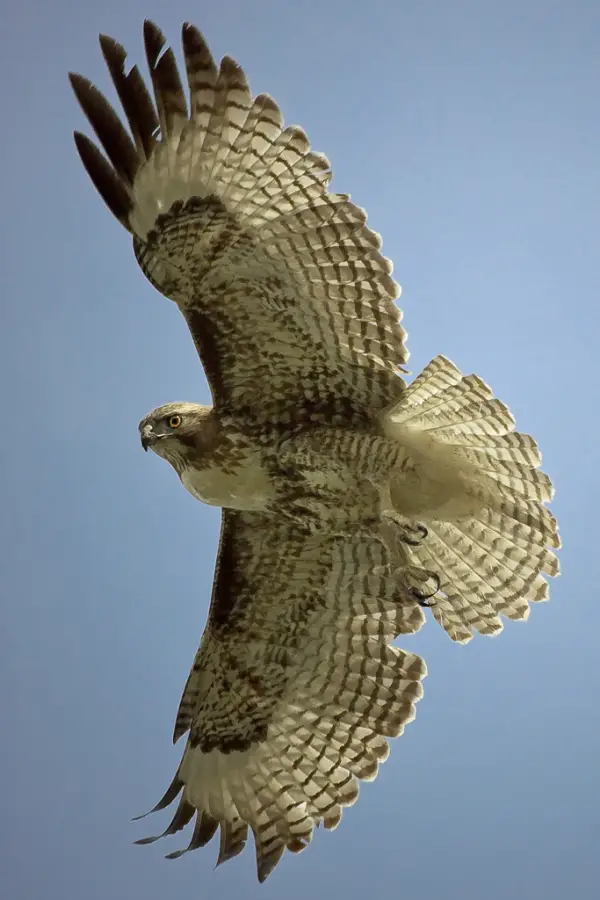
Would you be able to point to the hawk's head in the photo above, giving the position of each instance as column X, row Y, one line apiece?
column 177, row 431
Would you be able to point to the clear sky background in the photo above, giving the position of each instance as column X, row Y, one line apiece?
column 471, row 133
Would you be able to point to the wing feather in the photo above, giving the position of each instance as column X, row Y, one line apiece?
column 133, row 94
column 293, row 693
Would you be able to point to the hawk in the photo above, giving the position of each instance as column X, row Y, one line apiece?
column 350, row 501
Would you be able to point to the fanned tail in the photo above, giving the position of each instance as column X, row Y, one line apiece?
column 475, row 483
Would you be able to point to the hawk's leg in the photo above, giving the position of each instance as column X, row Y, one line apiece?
column 421, row 584
column 338, row 477
column 324, row 496
column 327, row 512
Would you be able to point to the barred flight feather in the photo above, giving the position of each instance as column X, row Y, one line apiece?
column 309, row 645
column 491, row 561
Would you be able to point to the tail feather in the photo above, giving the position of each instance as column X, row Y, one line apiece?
column 490, row 536
column 526, row 483
column 513, row 552
column 439, row 375
column 470, row 394
column 511, row 447
column 523, row 535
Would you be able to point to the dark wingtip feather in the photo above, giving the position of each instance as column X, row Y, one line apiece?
column 168, row 90
column 112, row 135
column 183, row 814
column 154, row 41
column 112, row 49
column 167, row 798
column 266, row 861
column 194, row 44
column 200, row 67
column 204, row 830
column 133, row 94
column 106, row 181
column 179, row 730
column 233, row 838
column 141, row 842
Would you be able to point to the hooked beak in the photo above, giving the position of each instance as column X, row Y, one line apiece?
column 146, row 436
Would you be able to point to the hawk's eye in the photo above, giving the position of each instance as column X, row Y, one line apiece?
column 174, row 421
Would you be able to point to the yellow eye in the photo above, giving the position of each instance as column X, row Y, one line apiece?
column 174, row 421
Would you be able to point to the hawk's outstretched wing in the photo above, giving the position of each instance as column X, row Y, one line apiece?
column 294, row 689
column 280, row 281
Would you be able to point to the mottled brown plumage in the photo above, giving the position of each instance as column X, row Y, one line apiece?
column 349, row 501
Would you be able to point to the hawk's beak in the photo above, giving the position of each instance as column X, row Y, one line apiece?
column 146, row 436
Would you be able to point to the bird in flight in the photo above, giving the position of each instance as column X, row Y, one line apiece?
column 351, row 502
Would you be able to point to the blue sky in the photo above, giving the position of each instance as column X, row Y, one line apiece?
column 471, row 133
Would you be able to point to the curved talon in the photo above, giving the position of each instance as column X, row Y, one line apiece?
column 423, row 600
column 414, row 542
column 421, row 597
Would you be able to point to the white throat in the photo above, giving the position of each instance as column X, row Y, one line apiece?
column 247, row 488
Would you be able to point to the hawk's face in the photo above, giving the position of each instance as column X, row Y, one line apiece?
column 175, row 431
